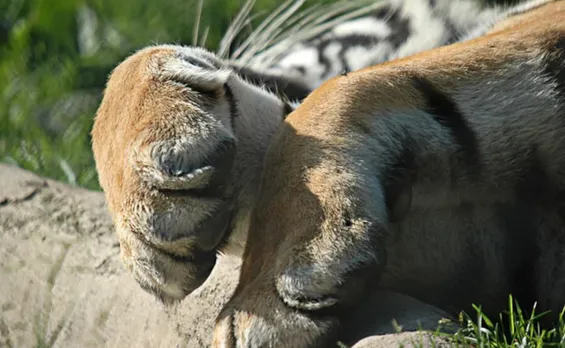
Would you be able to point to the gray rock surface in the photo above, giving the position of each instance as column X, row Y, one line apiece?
column 62, row 283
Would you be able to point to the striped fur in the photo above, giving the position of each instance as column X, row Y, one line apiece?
column 413, row 175
column 466, row 139
column 392, row 29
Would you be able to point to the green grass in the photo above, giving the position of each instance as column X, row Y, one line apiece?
column 51, row 84
column 512, row 328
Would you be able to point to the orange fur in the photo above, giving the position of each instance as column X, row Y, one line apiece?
column 324, row 166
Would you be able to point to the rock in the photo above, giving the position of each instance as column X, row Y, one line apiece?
column 63, row 285
column 386, row 317
column 404, row 339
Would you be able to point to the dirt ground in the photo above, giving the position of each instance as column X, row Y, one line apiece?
column 62, row 283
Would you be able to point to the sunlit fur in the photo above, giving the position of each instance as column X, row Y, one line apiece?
column 181, row 135
column 168, row 112
column 438, row 176
column 177, row 159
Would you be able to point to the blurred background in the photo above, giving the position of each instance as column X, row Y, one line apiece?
column 55, row 56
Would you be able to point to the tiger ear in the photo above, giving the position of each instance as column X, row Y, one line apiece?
column 398, row 195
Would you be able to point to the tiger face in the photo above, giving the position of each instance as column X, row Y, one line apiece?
column 175, row 140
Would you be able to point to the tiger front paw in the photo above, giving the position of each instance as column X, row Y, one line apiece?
column 164, row 146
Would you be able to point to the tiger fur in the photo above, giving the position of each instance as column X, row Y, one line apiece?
column 181, row 135
column 438, row 176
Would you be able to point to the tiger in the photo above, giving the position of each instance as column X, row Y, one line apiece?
column 136, row 121
column 181, row 141
column 438, row 176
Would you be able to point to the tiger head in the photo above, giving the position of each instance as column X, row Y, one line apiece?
column 177, row 141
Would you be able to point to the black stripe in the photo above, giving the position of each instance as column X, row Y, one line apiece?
column 287, row 109
column 399, row 33
column 454, row 34
column 533, row 183
column 234, row 110
column 520, row 251
column 397, row 179
column 346, row 43
column 399, row 25
column 293, row 89
column 400, row 29
column 322, row 59
column 354, row 40
column 447, row 114
column 232, row 338
column 383, row 13
column 554, row 66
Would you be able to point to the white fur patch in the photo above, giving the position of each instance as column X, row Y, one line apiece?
column 194, row 75
column 363, row 26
